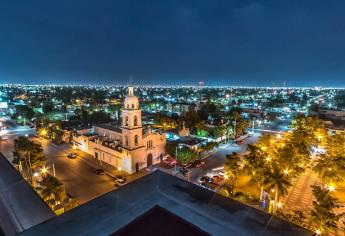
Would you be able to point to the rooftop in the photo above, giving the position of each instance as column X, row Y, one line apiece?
column 190, row 207
column 20, row 206
column 110, row 127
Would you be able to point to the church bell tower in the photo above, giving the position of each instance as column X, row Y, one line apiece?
column 132, row 130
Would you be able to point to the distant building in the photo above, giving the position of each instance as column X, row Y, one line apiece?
column 332, row 114
column 129, row 147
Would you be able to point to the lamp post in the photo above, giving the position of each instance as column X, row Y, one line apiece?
column 178, row 146
column 54, row 169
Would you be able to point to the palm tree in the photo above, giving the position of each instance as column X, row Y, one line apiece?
column 235, row 117
column 52, row 190
column 28, row 153
column 277, row 182
column 219, row 132
column 22, row 153
column 256, row 166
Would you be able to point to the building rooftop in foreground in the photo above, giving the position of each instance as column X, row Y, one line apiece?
column 20, row 206
column 160, row 204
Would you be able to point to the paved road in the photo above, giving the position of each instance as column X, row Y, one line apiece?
column 77, row 175
column 214, row 162
column 11, row 133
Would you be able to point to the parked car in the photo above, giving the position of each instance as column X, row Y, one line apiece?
column 121, row 180
column 204, row 179
column 197, row 164
column 71, row 155
column 169, row 161
column 239, row 142
column 216, row 179
column 100, row 171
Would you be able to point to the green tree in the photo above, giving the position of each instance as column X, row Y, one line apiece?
column 28, row 154
column 219, row 131
column 184, row 155
column 191, row 118
column 48, row 107
column 51, row 190
column 232, row 168
column 323, row 213
column 331, row 165
column 24, row 111
column 278, row 182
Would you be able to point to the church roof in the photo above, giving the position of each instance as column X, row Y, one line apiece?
column 110, row 127
column 190, row 207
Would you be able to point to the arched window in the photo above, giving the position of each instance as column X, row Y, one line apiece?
column 136, row 141
column 135, row 120
column 126, row 140
column 126, row 121
column 127, row 106
column 132, row 105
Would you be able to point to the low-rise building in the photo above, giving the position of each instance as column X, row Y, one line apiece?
column 130, row 147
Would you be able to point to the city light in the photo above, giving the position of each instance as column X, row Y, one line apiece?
column 330, row 187
column 44, row 170
column 286, row 171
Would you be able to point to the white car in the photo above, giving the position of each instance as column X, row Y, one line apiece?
column 121, row 180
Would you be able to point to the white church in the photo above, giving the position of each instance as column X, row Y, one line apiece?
column 130, row 147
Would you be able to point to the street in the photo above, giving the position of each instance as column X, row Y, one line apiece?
column 215, row 161
column 77, row 175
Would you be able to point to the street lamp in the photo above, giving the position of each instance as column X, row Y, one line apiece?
column 44, row 170
column 330, row 187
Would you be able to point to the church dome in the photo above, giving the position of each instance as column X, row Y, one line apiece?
column 131, row 101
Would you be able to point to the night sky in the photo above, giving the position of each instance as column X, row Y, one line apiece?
column 173, row 42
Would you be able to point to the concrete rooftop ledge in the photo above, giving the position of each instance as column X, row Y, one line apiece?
column 206, row 210
column 20, row 206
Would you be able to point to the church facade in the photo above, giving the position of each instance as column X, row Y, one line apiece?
column 130, row 147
